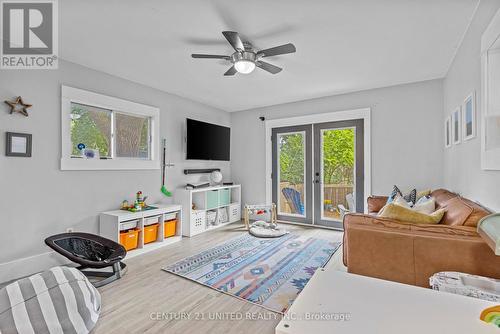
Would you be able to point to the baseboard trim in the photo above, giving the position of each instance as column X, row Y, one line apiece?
column 30, row 265
column 311, row 225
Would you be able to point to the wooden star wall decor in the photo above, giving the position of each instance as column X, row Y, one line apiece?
column 19, row 106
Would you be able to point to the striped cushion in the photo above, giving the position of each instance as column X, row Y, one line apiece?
column 59, row 300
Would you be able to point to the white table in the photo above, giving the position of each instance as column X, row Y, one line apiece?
column 380, row 307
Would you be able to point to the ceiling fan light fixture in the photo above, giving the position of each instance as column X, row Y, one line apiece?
column 245, row 58
column 244, row 66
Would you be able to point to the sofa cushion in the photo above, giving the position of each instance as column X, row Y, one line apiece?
column 442, row 196
column 457, row 212
column 478, row 212
column 376, row 203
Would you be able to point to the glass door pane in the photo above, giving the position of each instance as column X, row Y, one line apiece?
column 339, row 165
column 292, row 168
column 338, row 176
column 291, row 173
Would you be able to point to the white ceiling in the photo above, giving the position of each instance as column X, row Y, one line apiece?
column 342, row 45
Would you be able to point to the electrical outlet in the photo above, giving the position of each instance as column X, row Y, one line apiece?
column 69, row 230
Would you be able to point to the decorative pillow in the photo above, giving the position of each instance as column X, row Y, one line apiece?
column 401, row 201
column 392, row 196
column 425, row 205
column 397, row 212
column 411, row 197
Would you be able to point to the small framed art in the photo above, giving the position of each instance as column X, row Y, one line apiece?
column 469, row 117
column 18, row 144
column 447, row 132
column 455, row 126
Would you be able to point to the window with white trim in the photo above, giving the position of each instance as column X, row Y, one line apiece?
column 103, row 132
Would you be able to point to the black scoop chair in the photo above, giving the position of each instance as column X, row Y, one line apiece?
column 91, row 251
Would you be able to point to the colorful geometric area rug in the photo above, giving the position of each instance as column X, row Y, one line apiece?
column 267, row 272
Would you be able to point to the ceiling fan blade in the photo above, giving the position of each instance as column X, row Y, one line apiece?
column 268, row 67
column 277, row 50
column 234, row 39
column 231, row 71
column 197, row 55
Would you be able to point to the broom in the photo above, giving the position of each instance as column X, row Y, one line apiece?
column 163, row 188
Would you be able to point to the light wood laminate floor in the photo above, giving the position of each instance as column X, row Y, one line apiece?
column 150, row 300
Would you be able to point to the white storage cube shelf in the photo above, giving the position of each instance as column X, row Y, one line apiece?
column 112, row 222
column 198, row 203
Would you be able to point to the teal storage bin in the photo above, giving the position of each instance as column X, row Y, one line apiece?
column 212, row 199
column 224, row 196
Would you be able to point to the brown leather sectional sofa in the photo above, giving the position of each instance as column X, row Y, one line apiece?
column 411, row 253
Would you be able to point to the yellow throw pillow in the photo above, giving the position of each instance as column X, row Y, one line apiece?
column 398, row 212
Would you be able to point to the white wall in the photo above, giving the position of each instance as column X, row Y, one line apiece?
column 37, row 199
column 406, row 136
column 462, row 164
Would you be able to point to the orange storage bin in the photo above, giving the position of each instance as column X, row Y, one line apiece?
column 130, row 239
column 150, row 233
column 169, row 228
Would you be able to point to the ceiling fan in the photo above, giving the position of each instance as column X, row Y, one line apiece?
column 246, row 58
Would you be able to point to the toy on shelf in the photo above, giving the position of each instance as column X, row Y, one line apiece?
column 491, row 315
column 139, row 201
column 260, row 227
column 125, row 205
column 139, row 204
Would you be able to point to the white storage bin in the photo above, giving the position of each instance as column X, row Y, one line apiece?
column 211, row 217
column 199, row 218
column 234, row 213
column 128, row 225
column 222, row 216
column 170, row 216
column 151, row 220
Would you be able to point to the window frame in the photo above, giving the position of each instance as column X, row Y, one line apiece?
column 75, row 95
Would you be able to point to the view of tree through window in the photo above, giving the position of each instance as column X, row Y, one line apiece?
column 131, row 136
column 292, row 158
column 92, row 127
column 338, row 156
column 338, row 147
column 292, row 172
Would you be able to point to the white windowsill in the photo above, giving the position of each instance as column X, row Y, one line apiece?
column 108, row 164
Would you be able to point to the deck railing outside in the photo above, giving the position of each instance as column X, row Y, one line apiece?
column 334, row 194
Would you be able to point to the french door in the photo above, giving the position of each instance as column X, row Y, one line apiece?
column 292, row 165
column 317, row 174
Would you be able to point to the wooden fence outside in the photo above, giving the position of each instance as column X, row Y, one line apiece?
column 336, row 193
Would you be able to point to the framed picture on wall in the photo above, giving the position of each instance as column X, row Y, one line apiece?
column 447, row 132
column 455, row 126
column 18, row 145
column 469, row 117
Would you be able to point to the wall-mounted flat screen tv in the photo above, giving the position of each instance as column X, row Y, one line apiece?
column 207, row 141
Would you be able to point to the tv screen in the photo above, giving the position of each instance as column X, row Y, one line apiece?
column 207, row 141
